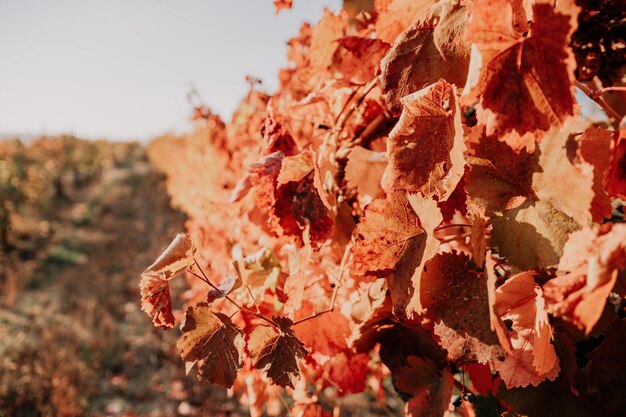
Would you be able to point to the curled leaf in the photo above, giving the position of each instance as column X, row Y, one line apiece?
column 156, row 301
column 520, row 302
column 175, row 259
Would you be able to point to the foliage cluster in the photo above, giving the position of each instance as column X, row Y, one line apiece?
column 422, row 200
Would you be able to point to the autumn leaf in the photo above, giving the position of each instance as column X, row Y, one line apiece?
column 499, row 178
column 364, row 171
column 455, row 296
column 432, row 48
column 617, row 174
column 211, row 340
column 156, row 301
column 323, row 40
column 276, row 351
column 175, row 259
column 394, row 16
column 523, row 94
column 590, row 264
column 394, row 240
column 594, row 147
column 348, row 372
column 532, row 235
column 398, row 339
column 295, row 168
column 357, row 59
column 299, row 262
column 327, row 336
column 428, row 387
column 519, row 301
column 155, row 290
column 282, row 4
column 567, row 186
column 227, row 285
column 425, row 148
column 258, row 271
column 295, row 205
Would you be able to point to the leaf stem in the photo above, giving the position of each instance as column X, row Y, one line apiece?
column 331, row 305
column 445, row 226
column 607, row 89
column 233, row 302
column 599, row 100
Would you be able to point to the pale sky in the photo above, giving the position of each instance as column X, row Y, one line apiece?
column 120, row 69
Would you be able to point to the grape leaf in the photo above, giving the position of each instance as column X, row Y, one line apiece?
column 428, row 387
column 520, row 301
column 156, row 301
column 395, row 239
column 566, row 185
column 348, row 372
column 532, row 235
column 394, row 16
column 617, row 174
column 431, row 49
column 595, row 148
column 328, row 336
column 499, row 178
column 276, row 351
column 295, row 168
column 591, row 261
column 364, row 171
column 456, row 298
column 175, row 259
column 155, row 290
column 211, row 340
column 227, row 285
column 425, row 148
column 522, row 94
column 357, row 58
column 296, row 204
column 282, row 4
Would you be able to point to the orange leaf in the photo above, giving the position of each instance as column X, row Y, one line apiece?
column 456, row 297
column 428, row 387
column 156, row 301
column 431, row 49
column 394, row 16
column 591, row 261
column 175, row 259
column 425, row 148
column 519, row 301
column 395, row 239
column 522, row 93
column 211, row 340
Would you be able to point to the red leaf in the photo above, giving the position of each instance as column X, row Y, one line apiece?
column 591, row 261
column 519, row 301
column 523, row 94
column 426, row 146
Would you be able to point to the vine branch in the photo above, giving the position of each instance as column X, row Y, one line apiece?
column 206, row 279
column 595, row 96
column 331, row 305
